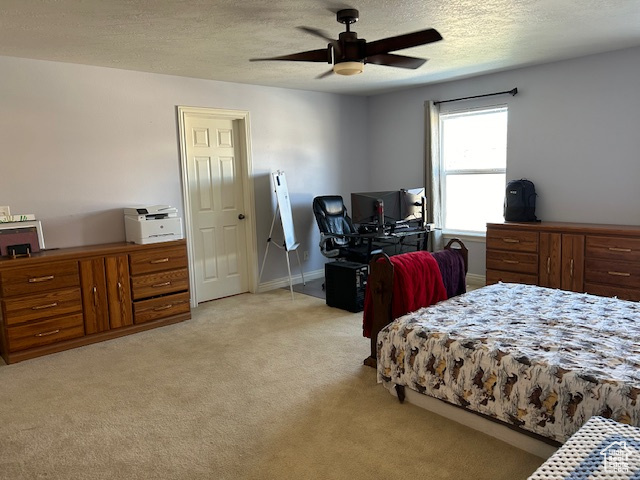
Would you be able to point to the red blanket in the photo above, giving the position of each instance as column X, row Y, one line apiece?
column 417, row 282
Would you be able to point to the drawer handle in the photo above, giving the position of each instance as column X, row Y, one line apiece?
column 41, row 279
column 163, row 307
column 571, row 269
column 40, row 307
column 617, row 249
column 165, row 284
column 511, row 261
column 45, row 334
column 95, row 296
column 548, row 265
column 620, row 274
column 160, row 260
column 511, row 240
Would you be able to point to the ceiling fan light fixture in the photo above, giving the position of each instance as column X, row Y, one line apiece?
column 348, row 68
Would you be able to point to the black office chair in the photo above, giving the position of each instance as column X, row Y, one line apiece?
column 338, row 237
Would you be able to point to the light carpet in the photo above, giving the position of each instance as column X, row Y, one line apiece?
column 252, row 387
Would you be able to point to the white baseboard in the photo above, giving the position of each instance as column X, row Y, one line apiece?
column 473, row 280
column 476, row 280
column 295, row 279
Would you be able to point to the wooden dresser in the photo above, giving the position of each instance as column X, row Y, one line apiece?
column 598, row 259
column 61, row 299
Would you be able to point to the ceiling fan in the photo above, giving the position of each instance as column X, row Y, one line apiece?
column 349, row 53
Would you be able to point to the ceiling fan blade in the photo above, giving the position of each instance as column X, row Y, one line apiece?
column 321, row 55
column 325, row 74
column 320, row 33
column 400, row 42
column 317, row 32
column 393, row 60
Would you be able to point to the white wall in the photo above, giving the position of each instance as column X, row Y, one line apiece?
column 79, row 143
column 573, row 131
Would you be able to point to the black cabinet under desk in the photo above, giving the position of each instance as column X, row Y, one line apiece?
column 345, row 284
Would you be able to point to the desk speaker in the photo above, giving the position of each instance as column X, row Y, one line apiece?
column 345, row 284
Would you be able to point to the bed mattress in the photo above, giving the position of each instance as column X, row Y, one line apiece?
column 541, row 359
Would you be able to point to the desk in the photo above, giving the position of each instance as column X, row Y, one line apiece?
column 399, row 238
column 362, row 245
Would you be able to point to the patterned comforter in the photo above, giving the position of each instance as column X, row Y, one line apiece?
column 544, row 360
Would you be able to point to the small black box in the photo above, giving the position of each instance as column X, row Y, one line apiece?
column 345, row 284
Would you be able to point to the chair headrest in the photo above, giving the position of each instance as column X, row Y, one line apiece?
column 330, row 205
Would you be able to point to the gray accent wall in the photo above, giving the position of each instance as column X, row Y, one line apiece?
column 574, row 130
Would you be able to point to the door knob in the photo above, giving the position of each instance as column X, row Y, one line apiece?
column 241, row 216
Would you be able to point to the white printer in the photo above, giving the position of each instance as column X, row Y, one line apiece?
column 152, row 224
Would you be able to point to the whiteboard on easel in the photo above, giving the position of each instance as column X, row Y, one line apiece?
column 284, row 204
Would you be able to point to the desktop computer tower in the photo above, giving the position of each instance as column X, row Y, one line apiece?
column 345, row 284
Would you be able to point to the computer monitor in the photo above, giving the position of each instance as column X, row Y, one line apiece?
column 377, row 208
column 389, row 208
column 413, row 204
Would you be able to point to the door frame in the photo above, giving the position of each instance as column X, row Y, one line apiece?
column 244, row 156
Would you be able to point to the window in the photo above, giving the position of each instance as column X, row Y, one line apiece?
column 473, row 162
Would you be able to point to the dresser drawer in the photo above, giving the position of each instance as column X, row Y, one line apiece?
column 30, row 280
column 612, row 272
column 513, row 240
column 614, row 248
column 612, row 291
column 147, row 310
column 512, row 261
column 495, row 276
column 149, row 261
column 45, row 332
column 41, row 306
column 152, row 285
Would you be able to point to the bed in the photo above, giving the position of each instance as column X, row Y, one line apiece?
column 539, row 359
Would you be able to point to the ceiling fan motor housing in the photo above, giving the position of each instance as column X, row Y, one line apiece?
column 352, row 48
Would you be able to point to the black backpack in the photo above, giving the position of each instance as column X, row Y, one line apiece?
column 520, row 201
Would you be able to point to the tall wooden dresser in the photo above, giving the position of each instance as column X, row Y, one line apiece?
column 598, row 259
column 61, row 299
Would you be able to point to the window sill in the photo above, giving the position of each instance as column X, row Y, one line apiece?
column 477, row 237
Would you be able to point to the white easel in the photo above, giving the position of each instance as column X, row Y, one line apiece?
column 284, row 208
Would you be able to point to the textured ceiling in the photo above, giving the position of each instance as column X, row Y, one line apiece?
column 214, row 39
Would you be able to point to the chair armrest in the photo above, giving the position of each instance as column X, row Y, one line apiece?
column 329, row 253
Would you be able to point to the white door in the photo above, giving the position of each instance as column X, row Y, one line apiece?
column 216, row 199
